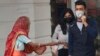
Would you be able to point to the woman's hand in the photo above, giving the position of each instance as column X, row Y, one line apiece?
column 34, row 47
column 40, row 50
column 64, row 43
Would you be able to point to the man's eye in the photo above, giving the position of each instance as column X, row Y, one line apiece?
column 77, row 9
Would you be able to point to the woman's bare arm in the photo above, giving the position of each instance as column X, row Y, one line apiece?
column 53, row 43
column 37, row 48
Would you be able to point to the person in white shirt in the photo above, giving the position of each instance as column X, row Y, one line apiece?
column 61, row 33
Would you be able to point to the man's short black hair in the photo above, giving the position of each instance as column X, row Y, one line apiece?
column 80, row 3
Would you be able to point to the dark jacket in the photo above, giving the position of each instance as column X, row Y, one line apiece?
column 81, row 43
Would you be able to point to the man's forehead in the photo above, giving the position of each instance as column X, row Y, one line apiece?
column 79, row 6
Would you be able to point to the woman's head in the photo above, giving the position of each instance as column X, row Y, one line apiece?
column 22, row 23
column 68, row 15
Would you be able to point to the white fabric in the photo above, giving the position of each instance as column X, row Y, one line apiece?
column 59, row 36
column 80, row 25
column 21, row 40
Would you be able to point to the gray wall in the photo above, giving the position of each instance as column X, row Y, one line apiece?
column 39, row 13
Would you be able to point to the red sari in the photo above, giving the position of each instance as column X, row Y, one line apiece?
column 21, row 27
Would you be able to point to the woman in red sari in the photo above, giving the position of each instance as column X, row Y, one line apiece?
column 18, row 40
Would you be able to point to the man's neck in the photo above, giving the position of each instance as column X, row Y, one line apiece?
column 79, row 20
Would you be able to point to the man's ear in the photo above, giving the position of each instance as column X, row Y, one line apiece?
column 86, row 12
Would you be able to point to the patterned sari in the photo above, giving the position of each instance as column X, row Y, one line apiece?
column 21, row 27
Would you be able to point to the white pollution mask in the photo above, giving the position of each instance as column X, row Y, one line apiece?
column 79, row 14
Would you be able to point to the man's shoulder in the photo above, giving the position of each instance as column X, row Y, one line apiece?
column 91, row 19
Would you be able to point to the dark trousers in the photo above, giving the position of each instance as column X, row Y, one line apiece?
column 63, row 52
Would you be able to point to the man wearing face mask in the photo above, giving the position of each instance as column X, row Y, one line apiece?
column 82, row 33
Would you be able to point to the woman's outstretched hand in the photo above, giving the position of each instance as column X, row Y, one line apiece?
column 40, row 50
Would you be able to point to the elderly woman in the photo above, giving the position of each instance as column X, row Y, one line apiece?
column 18, row 42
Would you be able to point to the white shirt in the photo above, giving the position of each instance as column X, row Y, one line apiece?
column 59, row 36
column 80, row 25
column 21, row 40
